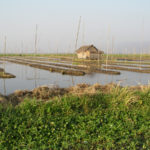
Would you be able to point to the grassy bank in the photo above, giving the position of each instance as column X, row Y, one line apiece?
column 110, row 56
column 119, row 119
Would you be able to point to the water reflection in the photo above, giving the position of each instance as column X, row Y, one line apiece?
column 29, row 78
column 35, row 77
column 4, row 87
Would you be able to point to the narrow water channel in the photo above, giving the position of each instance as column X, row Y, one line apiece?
column 29, row 78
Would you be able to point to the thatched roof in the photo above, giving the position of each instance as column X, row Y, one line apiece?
column 90, row 48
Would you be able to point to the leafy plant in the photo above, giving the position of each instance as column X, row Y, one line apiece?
column 119, row 120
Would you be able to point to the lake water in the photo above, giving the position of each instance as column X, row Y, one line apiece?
column 29, row 78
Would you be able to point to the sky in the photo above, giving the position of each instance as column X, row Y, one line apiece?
column 121, row 25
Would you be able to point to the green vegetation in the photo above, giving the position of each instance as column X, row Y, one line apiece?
column 119, row 119
column 110, row 56
column 46, row 54
column 130, row 56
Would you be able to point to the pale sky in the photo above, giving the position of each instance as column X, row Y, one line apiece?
column 127, row 22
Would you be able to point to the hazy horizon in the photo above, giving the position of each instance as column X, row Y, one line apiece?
column 124, row 22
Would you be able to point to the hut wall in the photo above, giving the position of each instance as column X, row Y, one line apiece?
column 94, row 56
column 82, row 55
column 88, row 55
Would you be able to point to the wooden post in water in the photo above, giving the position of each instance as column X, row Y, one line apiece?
column 4, row 63
column 57, row 54
column 35, row 43
column 5, row 45
column 22, row 48
column 98, row 60
column 112, row 47
column 83, row 40
column 78, row 33
column 126, row 56
column 35, row 49
column 107, row 46
column 78, row 30
column 142, row 43
column 83, row 36
column 4, row 51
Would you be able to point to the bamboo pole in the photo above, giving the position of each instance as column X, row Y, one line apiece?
column 107, row 46
column 77, row 36
column 35, row 42
column 142, row 44
column 5, row 40
column 4, row 86
column 112, row 48
column 83, row 36
column 35, row 48
column 78, row 30
column 22, row 47
column 78, row 33
column 83, row 40
column 126, row 55
column 98, row 60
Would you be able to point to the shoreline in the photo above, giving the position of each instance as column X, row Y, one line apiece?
column 46, row 93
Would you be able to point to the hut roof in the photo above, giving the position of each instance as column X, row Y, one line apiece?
column 90, row 48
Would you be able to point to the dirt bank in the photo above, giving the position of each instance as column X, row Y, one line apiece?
column 45, row 93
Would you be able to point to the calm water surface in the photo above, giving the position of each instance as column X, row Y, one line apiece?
column 29, row 78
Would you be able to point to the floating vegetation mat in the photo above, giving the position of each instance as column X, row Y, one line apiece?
column 61, row 68
column 1, row 70
column 49, row 68
column 131, row 65
column 127, row 69
column 4, row 74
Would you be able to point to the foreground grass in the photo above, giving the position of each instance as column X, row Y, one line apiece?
column 119, row 120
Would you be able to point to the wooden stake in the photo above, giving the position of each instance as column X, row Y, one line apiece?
column 107, row 46
column 35, row 44
column 142, row 43
column 78, row 33
column 5, row 39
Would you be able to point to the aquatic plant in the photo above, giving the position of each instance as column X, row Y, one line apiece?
column 119, row 119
